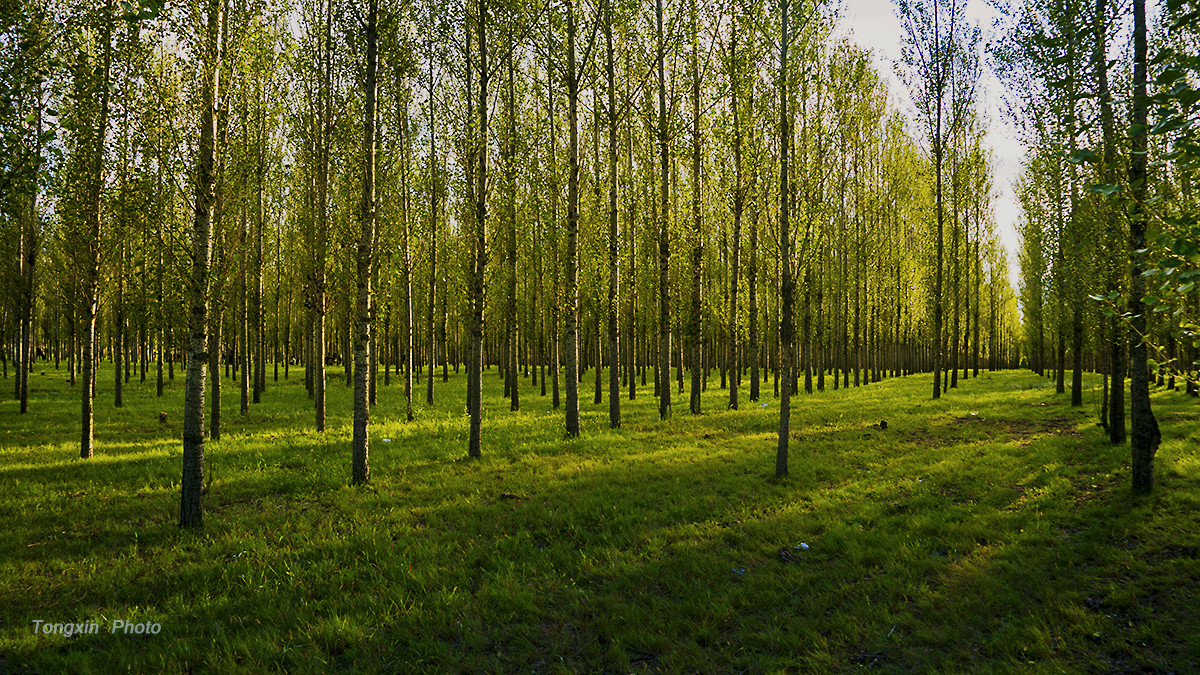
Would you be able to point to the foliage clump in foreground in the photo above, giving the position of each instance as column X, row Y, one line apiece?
column 989, row 531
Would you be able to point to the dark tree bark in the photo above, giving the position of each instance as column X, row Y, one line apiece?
column 785, row 254
column 324, row 133
column 614, row 279
column 739, row 201
column 1115, row 234
column 752, row 282
column 410, row 361
column 479, row 261
column 91, row 279
column 663, row 227
column 572, row 290
column 433, row 235
column 513, row 377
column 1144, row 436
column 243, row 314
column 695, row 334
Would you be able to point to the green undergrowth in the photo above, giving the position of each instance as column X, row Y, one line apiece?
column 990, row 531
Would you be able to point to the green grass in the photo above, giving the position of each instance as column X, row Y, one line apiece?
column 991, row 531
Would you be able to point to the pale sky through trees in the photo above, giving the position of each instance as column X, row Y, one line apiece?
column 873, row 25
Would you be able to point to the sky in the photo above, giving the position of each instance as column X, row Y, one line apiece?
column 873, row 25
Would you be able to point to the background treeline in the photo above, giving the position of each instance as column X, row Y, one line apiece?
column 578, row 186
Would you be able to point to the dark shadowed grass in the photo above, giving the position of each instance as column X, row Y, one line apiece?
column 990, row 531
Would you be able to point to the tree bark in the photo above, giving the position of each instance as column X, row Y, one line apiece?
column 785, row 254
column 572, row 290
column 479, row 262
column 191, row 511
column 739, row 200
column 91, row 282
column 614, row 356
column 361, row 441
column 1144, row 436
column 663, row 227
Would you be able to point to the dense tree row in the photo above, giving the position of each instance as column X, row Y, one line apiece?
column 1110, row 245
column 698, row 195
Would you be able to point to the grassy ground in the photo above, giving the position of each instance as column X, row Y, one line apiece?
column 991, row 531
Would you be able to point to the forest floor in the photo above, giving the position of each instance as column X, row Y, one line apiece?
column 990, row 531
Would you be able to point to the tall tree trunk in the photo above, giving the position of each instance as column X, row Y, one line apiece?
column 614, row 356
column 663, row 227
column 324, row 132
column 91, row 283
column 572, row 290
column 739, row 200
column 510, row 178
column 478, row 264
column 158, row 315
column 433, row 230
column 1144, row 435
column 120, row 337
column 1115, row 234
column 552, row 170
column 362, row 343
column 191, row 510
column 260, row 383
column 752, row 283
column 410, row 361
column 938, row 151
column 785, row 254
column 243, row 337
column 695, row 332
column 28, row 266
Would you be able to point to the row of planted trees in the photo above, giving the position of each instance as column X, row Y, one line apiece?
column 1109, row 240
column 604, row 191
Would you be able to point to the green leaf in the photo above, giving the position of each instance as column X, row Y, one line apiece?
column 1184, row 288
column 1150, row 300
column 1173, row 123
column 1107, row 190
column 1169, row 75
column 1083, row 155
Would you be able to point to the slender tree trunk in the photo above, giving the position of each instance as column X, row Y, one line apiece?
column 1115, row 234
column 785, row 254
column 572, row 291
column 325, row 134
column 120, row 337
column 362, row 344
column 410, row 361
column 433, row 232
column 513, row 381
column 1145, row 435
column 475, row 364
column 91, row 283
column 752, row 282
column 191, row 511
column 937, row 287
column 614, row 356
column 696, row 336
column 243, row 319
column 663, row 227
column 739, row 199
